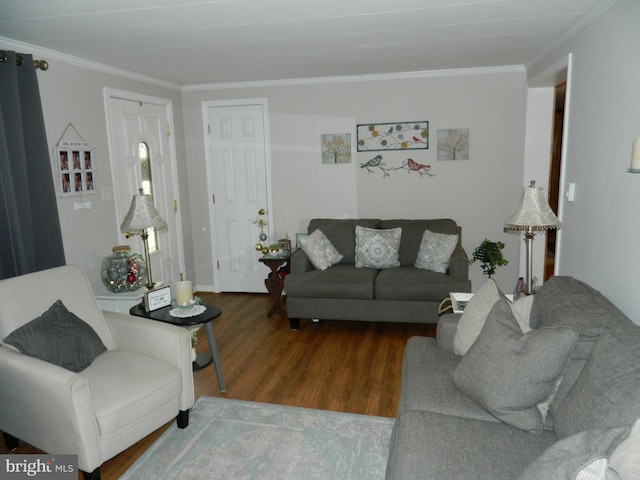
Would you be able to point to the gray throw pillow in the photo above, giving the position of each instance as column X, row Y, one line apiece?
column 377, row 248
column 582, row 456
column 510, row 373
column 59, row 337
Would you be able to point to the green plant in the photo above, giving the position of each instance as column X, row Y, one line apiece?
column 489, row 254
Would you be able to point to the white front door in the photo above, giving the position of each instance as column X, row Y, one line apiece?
column 143, row 156
column 238, row 187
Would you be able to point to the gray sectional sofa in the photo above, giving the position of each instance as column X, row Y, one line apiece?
column 345, row 292
column 590, row 429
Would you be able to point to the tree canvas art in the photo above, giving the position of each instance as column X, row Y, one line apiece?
column 336, row 148
column 453, row 144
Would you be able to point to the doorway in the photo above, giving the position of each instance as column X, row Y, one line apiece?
column 143, row 157
column 554, row 175
column 238, row 171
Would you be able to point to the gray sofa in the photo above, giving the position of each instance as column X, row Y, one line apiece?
column 402, row 294
column 442, row 433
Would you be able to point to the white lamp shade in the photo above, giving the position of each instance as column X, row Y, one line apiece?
column 142, row 215
column 532, row 212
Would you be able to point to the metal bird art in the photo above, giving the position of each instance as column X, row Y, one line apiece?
column 412, row 166
column 376, row 162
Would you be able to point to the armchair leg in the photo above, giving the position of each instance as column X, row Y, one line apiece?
column 294, row 323
column 183, row 419
column 10, row 441
column 95, row 475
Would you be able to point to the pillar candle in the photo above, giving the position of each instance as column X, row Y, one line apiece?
column 184, row 293
column 635, row 155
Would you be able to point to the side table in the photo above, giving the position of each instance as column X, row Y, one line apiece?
column 275, row 282
column 205, row 318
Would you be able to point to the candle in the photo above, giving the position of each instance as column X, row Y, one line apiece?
column 184, row 293
column 635, row 155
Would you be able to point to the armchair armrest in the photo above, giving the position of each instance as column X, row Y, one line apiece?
column 446, row 330
column 299, row 262
column 459, row 263
column 48, row 406
column 157, row 339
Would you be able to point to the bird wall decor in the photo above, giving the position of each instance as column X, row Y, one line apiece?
column 410, row 165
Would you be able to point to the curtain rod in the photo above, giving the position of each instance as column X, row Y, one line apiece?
column 37, row 64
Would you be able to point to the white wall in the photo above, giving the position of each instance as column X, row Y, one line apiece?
column 601, row 227
column 479, row 193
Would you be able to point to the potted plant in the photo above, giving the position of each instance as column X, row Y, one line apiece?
column 489, row 254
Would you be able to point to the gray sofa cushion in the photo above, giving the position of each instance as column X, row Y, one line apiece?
column 412, row 231
column 567, row 457
column 431, row 446
column 342, row 233
column 510, row 373
column 427, row 385
column 410, row 283
column 607, row 392
column 339, row 281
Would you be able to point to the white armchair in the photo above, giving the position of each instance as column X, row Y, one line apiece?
column 142, row 381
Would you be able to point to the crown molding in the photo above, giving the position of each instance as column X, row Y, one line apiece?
column 50, row 55
column 357, row 78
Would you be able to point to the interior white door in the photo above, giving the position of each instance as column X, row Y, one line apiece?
column 136, row 126
column 238, row 188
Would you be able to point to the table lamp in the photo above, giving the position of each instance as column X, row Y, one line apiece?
column 531, row 215
column 143, row 216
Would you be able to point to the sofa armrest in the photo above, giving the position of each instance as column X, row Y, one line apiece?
column 156, row 339
column 446, row 330
column 48, row 406
column 299, row 262
column 459, row 263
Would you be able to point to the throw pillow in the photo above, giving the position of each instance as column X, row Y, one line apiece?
column 583, row 456
column 377, row 248
column 474, row 316
column 435, row 251
column 321, row 252
column 509, row 373
column 59, row 337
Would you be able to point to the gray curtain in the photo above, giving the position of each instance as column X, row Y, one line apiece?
column 30, row 236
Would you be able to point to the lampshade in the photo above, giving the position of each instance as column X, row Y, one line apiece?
column 532, row 212
column 142, row 215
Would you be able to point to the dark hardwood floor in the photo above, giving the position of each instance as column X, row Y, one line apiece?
column 349, row 367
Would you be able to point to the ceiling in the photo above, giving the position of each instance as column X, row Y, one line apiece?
column 191, row 42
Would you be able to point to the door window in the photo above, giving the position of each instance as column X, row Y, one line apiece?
column 147, row 187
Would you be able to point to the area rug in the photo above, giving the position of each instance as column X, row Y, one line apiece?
column 238, row 440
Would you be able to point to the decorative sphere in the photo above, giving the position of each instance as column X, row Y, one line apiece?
column 259, row 247
column 265, row 250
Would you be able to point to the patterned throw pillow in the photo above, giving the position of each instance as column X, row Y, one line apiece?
column 377, row 248
column 435, row 251
column 321, row 252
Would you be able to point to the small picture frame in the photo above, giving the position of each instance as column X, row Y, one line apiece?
column 157, row 298
column 285, row 245
column 299, row 237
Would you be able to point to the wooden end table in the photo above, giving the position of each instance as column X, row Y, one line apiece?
column 205, row 318
column 275, row 283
